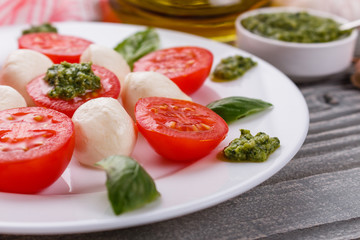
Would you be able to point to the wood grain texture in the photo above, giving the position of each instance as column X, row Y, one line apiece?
column 315, row 196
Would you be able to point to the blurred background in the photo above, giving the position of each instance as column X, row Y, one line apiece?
column 209, row 18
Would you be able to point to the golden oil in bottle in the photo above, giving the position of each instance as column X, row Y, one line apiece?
column 208, row 18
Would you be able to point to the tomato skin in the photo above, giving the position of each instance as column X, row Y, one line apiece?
column 57, row 47
column 38, row 88
column 181, row 143
column 38, row 167
column 187, row 66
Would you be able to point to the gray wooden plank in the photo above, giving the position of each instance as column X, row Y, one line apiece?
column 343, row 230
column 301, row 167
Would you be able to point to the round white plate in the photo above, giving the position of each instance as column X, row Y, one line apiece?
column 77, row 202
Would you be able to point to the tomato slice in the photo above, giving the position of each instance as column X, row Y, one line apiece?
column 36, row 146
column 177, row 129
column 38, row 89
column 57, row 47
column 187, row 66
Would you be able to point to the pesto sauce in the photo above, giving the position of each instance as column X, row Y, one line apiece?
column 251, row 148
column 232, row 67
column 71, row 80
column 46, row 27
column 300, row 27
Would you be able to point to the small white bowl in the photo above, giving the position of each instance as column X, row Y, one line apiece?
column 302, row 62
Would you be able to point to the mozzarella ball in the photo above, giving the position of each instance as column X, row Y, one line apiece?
column 22, row 66
column 107, row 58
column 148, row 84
column 102, row 128
column 10, row 98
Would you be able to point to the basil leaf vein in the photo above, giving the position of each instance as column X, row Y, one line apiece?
column 233, row 108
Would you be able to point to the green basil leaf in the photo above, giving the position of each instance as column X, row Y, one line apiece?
column 233, row 108
column 138, row 45
column 45, row 27
column 129, row 185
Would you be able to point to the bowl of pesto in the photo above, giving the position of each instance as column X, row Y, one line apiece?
column 305, row 44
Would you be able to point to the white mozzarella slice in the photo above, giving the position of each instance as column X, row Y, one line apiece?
column 10, row 98
column 148, row 84
column 21, row 67
column 107, row 58
column 102, row 128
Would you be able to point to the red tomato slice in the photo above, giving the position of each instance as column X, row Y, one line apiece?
column 177, row 129
column 36, row 146
column 188, row 67
column 38, row 89
column 57, row 47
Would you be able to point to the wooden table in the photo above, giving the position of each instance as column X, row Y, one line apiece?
column 315, row 196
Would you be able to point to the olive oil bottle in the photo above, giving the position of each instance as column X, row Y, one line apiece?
column 208, row 18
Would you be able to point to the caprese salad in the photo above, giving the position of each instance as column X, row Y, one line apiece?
column 65, row 96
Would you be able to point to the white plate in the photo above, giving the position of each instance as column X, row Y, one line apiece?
column 77, row 202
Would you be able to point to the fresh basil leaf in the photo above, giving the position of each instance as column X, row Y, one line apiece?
column 233, row 108
column 45, row 27
column 138, row 45
column 129, row 185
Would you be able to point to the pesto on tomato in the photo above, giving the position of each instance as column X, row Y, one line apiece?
column 38, row 90
column 71, row 80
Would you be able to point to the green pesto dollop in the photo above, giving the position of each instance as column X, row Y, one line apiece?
column 300, row 27
column 251, row 148
column 45, row 27
column 232, row 67
column 71, row 80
